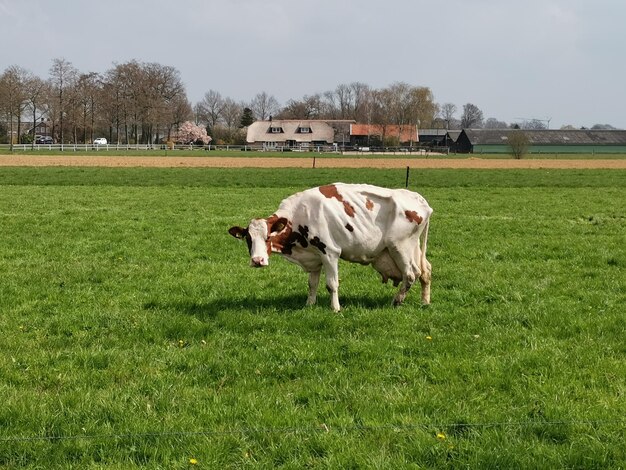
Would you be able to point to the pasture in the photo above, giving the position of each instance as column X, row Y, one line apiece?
column 135, row 334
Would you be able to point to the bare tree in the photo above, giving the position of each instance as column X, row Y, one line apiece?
column 163, row 99
column 362, row 95
column 37, row 91
column 14, row 98
column 231, row 114
column 493, row 123
column 345, row 100
column 398, row 103
column 125, row 83
column 404, row 106
column 210, row 109
column 88, row 89
column 146, row 99
column 227, row 129
column 62, row 79
column 179, row 111
column 309, row 107
column 263, row 106
column 380, row 112
column 472, row 116
column 534, row 124
column 447, row 112
column 113, row 103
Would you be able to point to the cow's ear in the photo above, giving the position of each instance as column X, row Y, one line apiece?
column 279, row 225
column 237, row 232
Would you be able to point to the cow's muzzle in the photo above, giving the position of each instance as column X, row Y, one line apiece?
column 258, row 262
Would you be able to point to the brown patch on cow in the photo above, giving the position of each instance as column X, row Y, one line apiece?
column 278, row 241
column 413, row 217
column 271, row 220
column 319, row 244
column 369, row 205
column 286, row 239
column 350, row 228
column 330, row 191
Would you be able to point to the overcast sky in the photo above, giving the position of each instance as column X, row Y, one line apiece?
column 562, row 60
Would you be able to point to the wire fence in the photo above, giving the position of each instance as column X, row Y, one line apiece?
column 337, row 149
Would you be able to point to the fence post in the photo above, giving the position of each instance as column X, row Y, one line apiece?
column 406, row 183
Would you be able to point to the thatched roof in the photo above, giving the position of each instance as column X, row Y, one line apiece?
column 284, row 130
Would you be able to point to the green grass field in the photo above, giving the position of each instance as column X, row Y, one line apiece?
column 134, row 334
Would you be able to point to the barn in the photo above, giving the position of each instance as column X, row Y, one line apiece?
column 543, row 141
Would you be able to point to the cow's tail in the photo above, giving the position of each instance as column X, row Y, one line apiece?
column 425, row 270
column 423, row 263
column 424, row 245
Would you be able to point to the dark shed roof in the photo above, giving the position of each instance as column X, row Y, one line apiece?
column 548, row 137
column 454, row 135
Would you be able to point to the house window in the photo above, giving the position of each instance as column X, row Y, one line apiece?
column 276, row 130
column 305, row 130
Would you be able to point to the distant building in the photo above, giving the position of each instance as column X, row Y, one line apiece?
column 434, row 137
column 374, row 135
column 543, row 141
column 42, row 128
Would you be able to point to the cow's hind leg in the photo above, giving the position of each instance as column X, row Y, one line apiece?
column 425, row 280
column 314, row 281
column 331, row 268
column 403, row 256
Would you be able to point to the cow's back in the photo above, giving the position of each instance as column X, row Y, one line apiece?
column 356, row 221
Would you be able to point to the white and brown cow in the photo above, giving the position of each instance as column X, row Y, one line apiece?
column 360, row 223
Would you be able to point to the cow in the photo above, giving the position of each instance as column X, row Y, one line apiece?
column 359, row 223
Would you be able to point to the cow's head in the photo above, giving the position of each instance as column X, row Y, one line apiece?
column 258, row 236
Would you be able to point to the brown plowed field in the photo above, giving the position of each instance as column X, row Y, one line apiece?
column 279, row 162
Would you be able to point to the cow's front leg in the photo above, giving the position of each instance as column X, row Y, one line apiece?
column 331, row 268
column 314, row 281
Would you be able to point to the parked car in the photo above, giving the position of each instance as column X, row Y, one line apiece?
column 100, row 141
column 43, row 139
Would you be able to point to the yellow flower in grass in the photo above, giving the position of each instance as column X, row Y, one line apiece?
column 193, row 462
column 441, row 436
column 429, row 338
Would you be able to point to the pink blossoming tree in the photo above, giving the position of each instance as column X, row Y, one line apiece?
column 189, row 133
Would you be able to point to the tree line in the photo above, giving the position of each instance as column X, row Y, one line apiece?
column 146, row 103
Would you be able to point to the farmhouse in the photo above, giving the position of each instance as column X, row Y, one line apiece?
column 290, row 134
column 543, row 141
column 41, row 128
